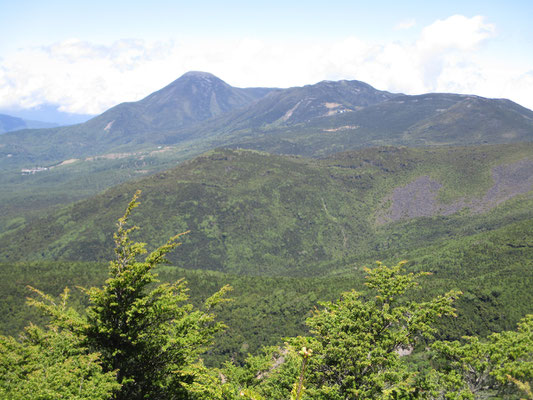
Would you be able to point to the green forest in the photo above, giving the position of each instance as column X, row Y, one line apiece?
column 139, row 336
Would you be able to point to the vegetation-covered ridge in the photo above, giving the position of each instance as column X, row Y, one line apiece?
column 262, row 214
column 423, row 120
column 137, row 340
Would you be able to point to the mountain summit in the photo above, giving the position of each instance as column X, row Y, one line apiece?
column 194, row 97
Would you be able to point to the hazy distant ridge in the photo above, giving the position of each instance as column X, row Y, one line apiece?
column 9, row 123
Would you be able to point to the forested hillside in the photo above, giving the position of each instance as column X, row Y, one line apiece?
column 260, row 214
column 287, row 196
column 286, row 232
column 132, row 338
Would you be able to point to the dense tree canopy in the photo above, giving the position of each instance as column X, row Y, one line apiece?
column 53, row 363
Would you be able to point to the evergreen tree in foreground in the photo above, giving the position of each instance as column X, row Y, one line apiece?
column 150, row 336
column 356, row 350
column 53, row 362
column 136, row 340
column 356, row 344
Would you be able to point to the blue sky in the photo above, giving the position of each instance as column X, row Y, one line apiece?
column 89, row 56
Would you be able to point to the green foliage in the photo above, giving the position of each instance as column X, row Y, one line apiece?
column 358, row 340
column 150, row 337
column 258, row 214
column 53, row 363
column 266, row 216
column 353, row 352
column 494, row 269
column 497, row 363
column 355, row 345
column 134, row 341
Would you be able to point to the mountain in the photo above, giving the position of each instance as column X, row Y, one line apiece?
column 303, row 104
column 255, row 213
column 194, row 97
column 65, row 164
column 429, row 119
column 9, row 123
column 198, row 112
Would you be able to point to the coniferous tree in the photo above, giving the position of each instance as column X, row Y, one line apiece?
column 356, row 346
column 501, row 363
column 150, row 335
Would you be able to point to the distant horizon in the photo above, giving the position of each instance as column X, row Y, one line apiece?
column 47, row 113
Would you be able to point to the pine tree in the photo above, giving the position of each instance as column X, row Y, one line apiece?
column 356, row 344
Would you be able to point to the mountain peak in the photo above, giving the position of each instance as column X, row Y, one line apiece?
column 198, row 74
column 195, row 96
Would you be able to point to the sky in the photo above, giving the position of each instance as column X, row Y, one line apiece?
column 87, row 56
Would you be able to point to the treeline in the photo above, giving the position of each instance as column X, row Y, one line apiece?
column 138, row 339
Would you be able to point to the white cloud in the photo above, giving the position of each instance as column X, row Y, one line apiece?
column 89, row 78
column 405, row 24
column 79, row 76
column 445, row 49
column 455, row 33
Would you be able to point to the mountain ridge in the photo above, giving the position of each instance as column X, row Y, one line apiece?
column 300, row 215
column 9, row 123
column 200, row 111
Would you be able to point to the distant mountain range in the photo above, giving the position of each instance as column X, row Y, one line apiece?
column 50, row 113
column 200, row 111
column 9, row 123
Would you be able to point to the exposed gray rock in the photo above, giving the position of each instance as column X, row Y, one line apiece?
column 419, row 198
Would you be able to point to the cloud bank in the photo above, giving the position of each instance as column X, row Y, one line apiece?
column 83, row 77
